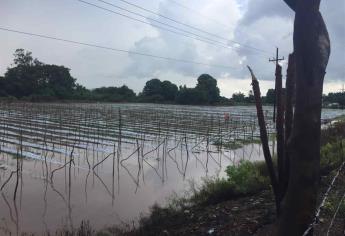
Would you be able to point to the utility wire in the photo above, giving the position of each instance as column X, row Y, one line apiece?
column 210, row 40
column 118, row 50
column 210, row 19
column 198, row 13
column 157, row 26
column 182, row 23
column 198, row 37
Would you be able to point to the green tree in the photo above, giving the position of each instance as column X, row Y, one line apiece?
column 30, row 77
column 114, row 94
column 169, row 90
column 250, row 98
column 335, row 98
column 270, row 96
column 190, row 96
column 208, row 85
column 238, row 97
column 3, row 92
column 158, row 91
column 23, row 58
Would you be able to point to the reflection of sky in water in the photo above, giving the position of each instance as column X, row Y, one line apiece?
column 100, row 197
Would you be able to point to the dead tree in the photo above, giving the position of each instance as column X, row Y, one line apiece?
column 264, row 139
column 312, row 50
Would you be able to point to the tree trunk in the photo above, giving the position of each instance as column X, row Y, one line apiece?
column 312, row 49
column 280, row 131
column 289, row 101
column 264, row 139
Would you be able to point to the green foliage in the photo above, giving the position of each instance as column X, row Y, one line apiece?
column 191, row 96
column 270, row 96
column 331, row 156
column 212, row 191
column 158, row 91
column 32, row 78
column 332, row 204
column 246, row 177
column 232, row 145
column 238, row 97
column 113, row 94
column 207, row 86
column 335, row 98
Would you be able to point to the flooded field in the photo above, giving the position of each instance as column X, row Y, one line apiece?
column 108, row 163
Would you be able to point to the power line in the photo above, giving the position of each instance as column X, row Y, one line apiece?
column 157, row 26
column 117, row 50
column 204, row 39
column 198, row 13
column 210, row 19
column 182, row 23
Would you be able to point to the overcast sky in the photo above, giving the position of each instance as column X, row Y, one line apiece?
column 255, row 24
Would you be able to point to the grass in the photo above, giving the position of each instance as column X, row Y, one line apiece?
column 236, row 144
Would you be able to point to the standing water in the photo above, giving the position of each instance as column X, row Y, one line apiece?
column 105, row 163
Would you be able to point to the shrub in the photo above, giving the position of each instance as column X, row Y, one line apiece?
column 212, row 191
column 247, row 178
column 331, row 156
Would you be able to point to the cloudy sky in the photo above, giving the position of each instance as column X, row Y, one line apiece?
column 230, row 33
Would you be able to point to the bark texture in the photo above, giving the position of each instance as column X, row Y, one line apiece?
column 289, row 101
column 264, row 138
column 312, row 50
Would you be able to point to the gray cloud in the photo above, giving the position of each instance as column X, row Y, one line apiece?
column 263, row 24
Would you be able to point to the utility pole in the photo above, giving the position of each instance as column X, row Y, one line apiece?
column 342, row 94
column 276, row 60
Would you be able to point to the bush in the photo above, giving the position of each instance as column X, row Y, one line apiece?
column 212, row 191
column 243, row 179
column 331, row 156
column 247, row 178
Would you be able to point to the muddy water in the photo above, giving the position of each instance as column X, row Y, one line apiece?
column 77, row 193
column 106, row 182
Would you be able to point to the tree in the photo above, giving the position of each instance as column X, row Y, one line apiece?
column 169, row 91
column 190, row 96
column 270, row 96
column 296, row 200
column 335, row 98
column 238, row 97
column 250, row 98
column 157, row 91
column 114, row 94
column 22, row 58
column 3, row 92
column 152, row 87
column 30, row 77
column 208, row 85
column 312, row 50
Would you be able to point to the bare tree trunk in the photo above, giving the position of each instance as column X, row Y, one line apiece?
column 312, row 49
column 264, row 138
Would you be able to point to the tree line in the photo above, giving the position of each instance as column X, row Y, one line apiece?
column 32, row 80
